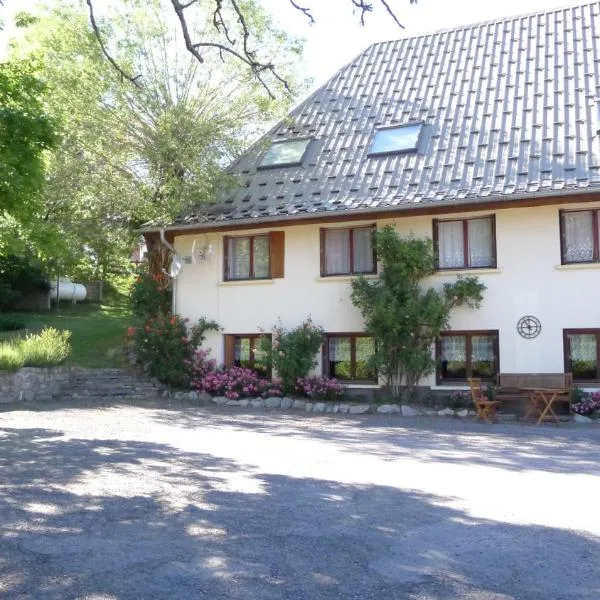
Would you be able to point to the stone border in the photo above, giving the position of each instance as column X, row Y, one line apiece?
column 304, row 405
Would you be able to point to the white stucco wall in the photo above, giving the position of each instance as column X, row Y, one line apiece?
column 529, row 280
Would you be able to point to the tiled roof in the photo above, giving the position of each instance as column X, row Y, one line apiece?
column 511, row 108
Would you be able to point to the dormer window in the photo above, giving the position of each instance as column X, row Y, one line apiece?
column 396, row 140
column 287, row 153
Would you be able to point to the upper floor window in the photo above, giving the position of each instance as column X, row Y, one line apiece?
column 286, row 153
column 393, row 140
column 254, row 256
column 348, row 251
column 347, row 357
column 582, row 348
column 579, row 236
column 464, row 354
column 465, row 243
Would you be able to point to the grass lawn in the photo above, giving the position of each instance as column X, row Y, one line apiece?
column 97, row 331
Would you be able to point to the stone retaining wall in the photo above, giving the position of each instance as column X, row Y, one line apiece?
column 31, row 384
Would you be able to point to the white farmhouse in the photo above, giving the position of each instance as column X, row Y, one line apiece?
column 485, row 138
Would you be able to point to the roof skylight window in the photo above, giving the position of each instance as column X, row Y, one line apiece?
column 395, row 140
column 287, row 153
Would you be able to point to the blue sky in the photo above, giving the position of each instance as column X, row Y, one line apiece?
column 337, row 36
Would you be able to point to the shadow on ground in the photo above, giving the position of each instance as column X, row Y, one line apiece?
column 127, row 519
column 513, row 446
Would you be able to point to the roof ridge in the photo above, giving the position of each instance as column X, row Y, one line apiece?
column 482, row 23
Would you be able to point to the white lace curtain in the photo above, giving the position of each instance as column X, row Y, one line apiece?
column 339, row 349
column 482, row 348
column 363, row 250
column 454, row 348
column 451, row 245
column 337, row 251
column 583, row 347
column 578, row 228
column 238, row 258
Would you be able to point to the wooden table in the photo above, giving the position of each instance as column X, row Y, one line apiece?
column 542, row 399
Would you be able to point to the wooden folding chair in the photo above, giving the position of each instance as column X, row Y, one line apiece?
column 486, row 409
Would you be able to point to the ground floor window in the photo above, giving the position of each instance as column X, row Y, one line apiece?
column 464, row 354
column 241, row 351
column 582, row 347
column 346, row 356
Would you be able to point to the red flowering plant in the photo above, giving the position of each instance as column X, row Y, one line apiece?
column 151, row 295
column 167, row 348
column 237, row 383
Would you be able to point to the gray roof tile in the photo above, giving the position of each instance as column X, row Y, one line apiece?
column 510, row 107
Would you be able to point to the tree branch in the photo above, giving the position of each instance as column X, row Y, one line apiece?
column 111, row 60
column 263, row 71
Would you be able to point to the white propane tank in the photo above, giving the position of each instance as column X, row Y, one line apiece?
column 67, row 290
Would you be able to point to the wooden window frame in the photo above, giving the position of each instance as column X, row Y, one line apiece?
column 595, row 232
column 253, row 338
column 353, row 337
column 465, row 225
column 351, row 230
column 567, row 352
column 227, row 275
column 469, row 334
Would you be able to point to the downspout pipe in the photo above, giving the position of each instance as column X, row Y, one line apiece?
column 164, row 241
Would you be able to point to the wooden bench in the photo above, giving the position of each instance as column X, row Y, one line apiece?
column 510, row 386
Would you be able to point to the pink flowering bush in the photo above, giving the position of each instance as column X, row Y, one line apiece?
column 236, row 383
column 588, row 406
column 319, row 388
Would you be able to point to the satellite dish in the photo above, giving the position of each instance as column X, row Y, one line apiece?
column 175, row 267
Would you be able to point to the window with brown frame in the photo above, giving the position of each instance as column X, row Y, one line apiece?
column 259, row 256
column 579, row 236
column 241, row 351
column 582, row 349
column 346, row 356
column 465, row 243
column 464, row 354
column 348, row 251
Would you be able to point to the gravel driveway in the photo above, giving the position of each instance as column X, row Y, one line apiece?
column 178, row 502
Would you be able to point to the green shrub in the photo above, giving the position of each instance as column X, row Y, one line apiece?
column 19, row 277
column 151, row 295
column 10, row 356
column 10, row 324
column 292, row 352
column 165, row 347
column 48, row 348
column 45, row 349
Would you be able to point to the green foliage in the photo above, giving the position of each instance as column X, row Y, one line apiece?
column 130, row 155
column 11, row 324
column 20, row 276
column 403, row 316
column 165, row 347
column 292, row 352
column 26, row 131
column 48, row 348
column 151, row 295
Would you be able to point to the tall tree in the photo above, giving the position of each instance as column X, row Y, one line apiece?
column 131, row 154
column 26, row 132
